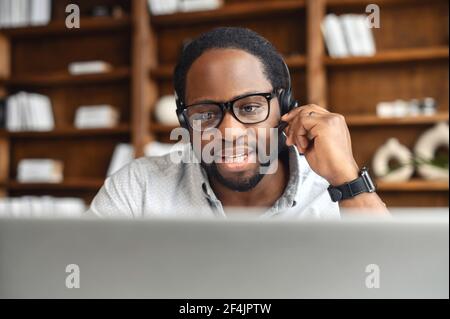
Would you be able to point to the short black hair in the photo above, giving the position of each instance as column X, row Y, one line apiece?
column 232, row 38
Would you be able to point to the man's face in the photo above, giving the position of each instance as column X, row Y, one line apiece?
column 221, row 75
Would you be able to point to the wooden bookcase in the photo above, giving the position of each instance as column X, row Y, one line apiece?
column 35, row 59
column 411, row 62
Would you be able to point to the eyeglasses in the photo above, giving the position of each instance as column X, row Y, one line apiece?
column 247, row 109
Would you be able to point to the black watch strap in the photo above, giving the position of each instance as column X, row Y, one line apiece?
column 363, row 184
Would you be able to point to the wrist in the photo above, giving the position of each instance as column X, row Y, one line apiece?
column 345, row 175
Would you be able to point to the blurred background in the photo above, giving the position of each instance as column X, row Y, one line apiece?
column 81, row 97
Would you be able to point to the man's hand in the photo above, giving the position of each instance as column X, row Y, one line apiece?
column 324, row 139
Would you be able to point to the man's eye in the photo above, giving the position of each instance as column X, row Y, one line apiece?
column 249, row 108
column 206, row 116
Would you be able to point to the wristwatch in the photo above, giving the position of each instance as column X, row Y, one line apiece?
column 363, row 184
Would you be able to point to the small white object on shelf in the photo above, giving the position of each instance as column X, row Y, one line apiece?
column 392, row 149
column 425, row 149
column 40, row 171
column 123, row 154
column 165, row 110
column 89, row 67
column 96, row 116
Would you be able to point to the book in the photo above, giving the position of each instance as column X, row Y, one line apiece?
column 348, row 35
column 123, row 154
column 334, row 36
column 42, row 206
column 199, row 5
column 89, row 67
column 40, row 12
column 96, row 116
column 40, row 171
column 29, row 112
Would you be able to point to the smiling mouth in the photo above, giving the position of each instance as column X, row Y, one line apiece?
column 230, row 156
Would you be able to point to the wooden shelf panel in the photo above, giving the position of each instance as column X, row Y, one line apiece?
column 59, row 28
column 161, row 128
column 72, row 132
column 165, row 72
column 392, row 56
column 373, row 120
column 118, row 74
column 70, row 184
column 231, row 11
column 414, row 185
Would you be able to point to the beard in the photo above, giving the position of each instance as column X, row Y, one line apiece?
column 238, row 184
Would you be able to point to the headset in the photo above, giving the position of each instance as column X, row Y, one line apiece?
column 286, row 101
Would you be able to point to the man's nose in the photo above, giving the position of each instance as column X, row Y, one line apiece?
column 230, row 128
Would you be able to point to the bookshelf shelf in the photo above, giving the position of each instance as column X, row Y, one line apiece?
column 373, row 120
column 414, row 185
column 58, row 79
column 87, row 25
column 71, row 132
column 393, row 56
column 227, row 12
column 69, row 184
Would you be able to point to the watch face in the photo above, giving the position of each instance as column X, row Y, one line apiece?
column 368, row 181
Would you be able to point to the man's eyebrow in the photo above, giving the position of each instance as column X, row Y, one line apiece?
column 233, row 98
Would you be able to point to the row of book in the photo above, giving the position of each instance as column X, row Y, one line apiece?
column 42, row 206
column 159, row 7
column 33, row 112
column 348, row 35
column 19, row 13
column 27, row 112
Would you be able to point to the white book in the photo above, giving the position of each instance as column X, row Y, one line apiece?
column 366, row 35
column 40, row 12
column 123, row 154
column 334, row 36
column 3, row 13
column 15, row 13
column 88, row 67
column 12, row 114
column 47, row 121
column 353, row 41
column 8, row 11
column 22, row 15
column 96, row 116
column 159, row 7
column 199, row 5
column 40, row 171
column 24, row 110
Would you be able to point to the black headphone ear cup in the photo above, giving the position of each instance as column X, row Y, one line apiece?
column 181, row 119
column 285, row 102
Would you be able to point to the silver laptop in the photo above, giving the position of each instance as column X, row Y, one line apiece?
column 400, row 257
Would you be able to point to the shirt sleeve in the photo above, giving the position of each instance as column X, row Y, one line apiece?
column 120, row 195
